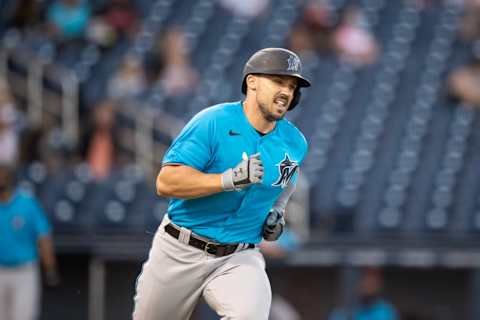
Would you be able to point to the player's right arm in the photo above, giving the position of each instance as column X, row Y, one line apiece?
column 185, row 182
column 183, row 171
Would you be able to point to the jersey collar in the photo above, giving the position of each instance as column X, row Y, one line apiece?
column 249, row 125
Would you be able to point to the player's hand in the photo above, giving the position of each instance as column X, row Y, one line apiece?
column 52, row 278
column 249, row 171
column 273, row 225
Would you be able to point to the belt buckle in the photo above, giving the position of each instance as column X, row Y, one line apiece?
column 207, row 248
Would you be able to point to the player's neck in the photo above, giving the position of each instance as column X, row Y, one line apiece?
column 256, row 118
column 5, row 196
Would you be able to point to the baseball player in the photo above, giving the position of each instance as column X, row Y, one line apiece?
column 24, row 237
column 229, row 175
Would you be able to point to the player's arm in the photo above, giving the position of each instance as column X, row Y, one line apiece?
column 48, row 259
column 275, row 222
column 185, row 182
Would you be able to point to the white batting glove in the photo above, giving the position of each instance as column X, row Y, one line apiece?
column 273, row 225
column 249, row 171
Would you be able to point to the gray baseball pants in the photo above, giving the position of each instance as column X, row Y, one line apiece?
column 19, row 292
column 176, row 274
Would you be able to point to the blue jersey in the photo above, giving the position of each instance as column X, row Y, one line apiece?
column 22, row 223
column 72, row 22
column 380, row 310
column 214, row 141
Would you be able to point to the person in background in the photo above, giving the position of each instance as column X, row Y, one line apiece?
column 99, row 144
column 371, row 304
column 315, row 30
column 177, row 76
column 129, row 81
column 469, row 27
column 9, row 135
column 117, row 22
column 353, row 41
column 123, row 17
column 463, row 83
column 68, row 19
column 25, row 236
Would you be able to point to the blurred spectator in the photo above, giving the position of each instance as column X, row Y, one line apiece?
column 371, row 304
column 25, row 13
column 100, row 33
column 470, row 23
column 123, row 17
column 315, row 29
column 9, row 135
column 301, row 40
column 463, row 83
column 25, row 235
column 68, row 19
column 129, row 81
column 246, row 8
column 99, row 145
column 177, row 76
column 116, row 22
column 353, row 41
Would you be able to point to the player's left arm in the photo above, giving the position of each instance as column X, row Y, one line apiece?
column 45, row 244
column 275, row 221
column 48, row 259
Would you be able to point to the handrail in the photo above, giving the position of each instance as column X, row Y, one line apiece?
column 148, row 123
column 35, row 91
column 70, row 112
column 3, row 63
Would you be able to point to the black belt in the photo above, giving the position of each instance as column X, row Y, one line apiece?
column 216, row 249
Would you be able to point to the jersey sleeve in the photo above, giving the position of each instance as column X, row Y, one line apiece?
column 304, row 145
column 281, row 202
column 194, row 145
column 40, row 222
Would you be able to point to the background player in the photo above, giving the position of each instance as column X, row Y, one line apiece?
column 25, row 234
column 230, row 173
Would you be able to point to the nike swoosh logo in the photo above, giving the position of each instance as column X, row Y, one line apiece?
column 233, row 133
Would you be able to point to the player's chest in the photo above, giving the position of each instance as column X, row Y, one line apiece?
column 14, row 222
column 280, row 160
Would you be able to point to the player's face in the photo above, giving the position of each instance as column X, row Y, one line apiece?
column 274, row 95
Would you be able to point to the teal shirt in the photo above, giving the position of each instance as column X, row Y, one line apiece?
column 72, row 21
column 380, row 310
column 22, row 223
column 214, row 141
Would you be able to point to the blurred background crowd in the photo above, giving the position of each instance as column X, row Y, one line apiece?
column 92, row 92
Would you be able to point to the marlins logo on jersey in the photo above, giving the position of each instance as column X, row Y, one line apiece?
column 287, row 169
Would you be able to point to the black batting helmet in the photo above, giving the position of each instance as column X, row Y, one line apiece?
column 276, row 61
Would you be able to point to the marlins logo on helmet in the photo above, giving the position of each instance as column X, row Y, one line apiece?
column 293, row 63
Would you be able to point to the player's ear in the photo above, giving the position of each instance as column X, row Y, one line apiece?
column 252, row 82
